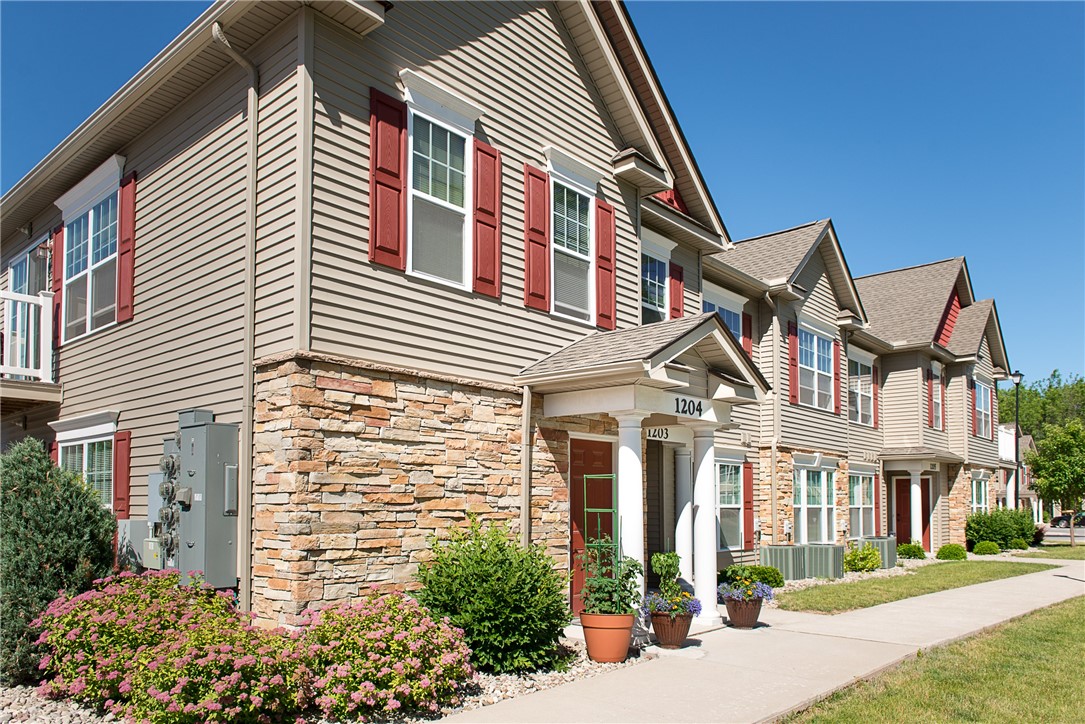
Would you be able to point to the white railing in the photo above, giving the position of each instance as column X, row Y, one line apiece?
column 28, row 336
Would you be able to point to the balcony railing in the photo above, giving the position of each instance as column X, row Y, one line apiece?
column 28, row 336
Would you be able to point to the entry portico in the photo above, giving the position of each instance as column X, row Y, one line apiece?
column 678, row 379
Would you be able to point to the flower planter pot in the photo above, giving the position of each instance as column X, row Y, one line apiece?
column 743, row 614
column 607, row 635
column 671, row 633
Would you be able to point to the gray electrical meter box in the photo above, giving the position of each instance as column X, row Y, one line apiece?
column 205, row 498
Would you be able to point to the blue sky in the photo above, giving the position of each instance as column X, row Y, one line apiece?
column 925, row 130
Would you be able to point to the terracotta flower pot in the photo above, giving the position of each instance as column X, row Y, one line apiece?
column 671, row 633
column 607, row 635
column 743, row 614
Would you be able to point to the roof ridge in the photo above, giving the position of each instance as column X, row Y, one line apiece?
column 782, row 231
column 907, row 268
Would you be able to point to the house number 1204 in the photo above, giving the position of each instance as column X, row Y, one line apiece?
column 688, row 407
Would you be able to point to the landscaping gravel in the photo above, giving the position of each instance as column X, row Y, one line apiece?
column 22, row 704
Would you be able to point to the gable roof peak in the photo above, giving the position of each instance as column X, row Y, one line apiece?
column 956, row 259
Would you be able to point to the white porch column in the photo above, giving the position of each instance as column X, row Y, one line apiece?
column 704, row 523
column 1011, row 502
column 631, row 488
column 683, row 528
column 917, row 508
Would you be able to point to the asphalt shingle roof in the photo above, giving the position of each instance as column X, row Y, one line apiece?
column 623, row 345
column 971, row 324
column 775, row 255
column 906, row 305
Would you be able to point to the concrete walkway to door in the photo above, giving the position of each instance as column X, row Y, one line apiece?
column 728, row 675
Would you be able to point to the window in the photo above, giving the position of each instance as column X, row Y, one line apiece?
column 27, row 275
column 983, row 410
column 860, row 392
column 93, row 459
column 936, row 395
column 653, row 289
column 731, row 318
column 90, row 269
column 729, row 515
column 861, row 505
column 572, row 248
column 438, row 199
column 813, row 500
column 815, row 370
column 979, row 495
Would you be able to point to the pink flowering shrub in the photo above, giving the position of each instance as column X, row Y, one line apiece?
column 382, row 653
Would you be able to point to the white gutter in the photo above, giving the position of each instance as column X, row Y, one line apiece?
column 249, row 378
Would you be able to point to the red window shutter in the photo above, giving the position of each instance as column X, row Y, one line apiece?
column 836, row 376
column 747, row 333
column 678, row 290
column 930, row 398
column 57, row 285
column 536, row 239
column 54, row 452
column 126, row 248
column 876, row 385
column 122, row 473
column 975, row 419
column 387, row 180
column 747, row 506
column 942, row 395
column 487, row 236
column 606, row 278
column 877, row 504
column 793, row 363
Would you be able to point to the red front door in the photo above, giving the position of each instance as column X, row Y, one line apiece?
column 904, row 511
column 588, row 457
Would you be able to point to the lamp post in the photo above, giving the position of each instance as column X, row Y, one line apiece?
column 1016, row 377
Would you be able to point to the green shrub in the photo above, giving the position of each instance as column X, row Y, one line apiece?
column 862, row 559
column 54, row 535
column 952, row 552
column 911, row 550
column 611, row 584
column 986, row 548
column 1018, row 544
column 769, row 575
column 510, row 602
column 383, row 653
column 1000, row 526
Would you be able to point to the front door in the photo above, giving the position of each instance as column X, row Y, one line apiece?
column 903, row 509
column 588, row 457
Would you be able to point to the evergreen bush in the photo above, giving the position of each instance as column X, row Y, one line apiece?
column 1018, row 544
column 769, row 575
column 862, row 559
column 952, row 552
column 509, row 601
column 54, row 535
column 986, row 548
column 911, row 550
column 999, row 526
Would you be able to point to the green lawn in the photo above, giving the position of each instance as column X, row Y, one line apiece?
column 928, row 579
column 1028, row 670
column 1075, row 553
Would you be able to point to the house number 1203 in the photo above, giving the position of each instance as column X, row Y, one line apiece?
column 688, row 407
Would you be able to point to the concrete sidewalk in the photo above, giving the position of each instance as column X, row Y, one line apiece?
column 729, row 675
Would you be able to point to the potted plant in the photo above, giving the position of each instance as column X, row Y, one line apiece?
column 610, row 595
column 743, row 595
column 671, row 609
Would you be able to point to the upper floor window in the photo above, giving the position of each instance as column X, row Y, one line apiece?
column 860, row 505
column 725, row 303
column 937, row 386
column 439, row 233
column 729, row 511
column 815, row 370
column 813, row 498
column 28, row 275
column 732, row 319
column 653, row 289
column 860, row 392
column 983, row 409
column 571, row 222
column 979, row 495
column 90, row 269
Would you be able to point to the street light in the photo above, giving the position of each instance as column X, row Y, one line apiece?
column 1016, row 378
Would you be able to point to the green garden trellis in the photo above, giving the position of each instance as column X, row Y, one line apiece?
column 599, row 543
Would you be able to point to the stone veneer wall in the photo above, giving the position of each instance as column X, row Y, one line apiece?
column 357, row 467
column 785, row 483
column 960, row 499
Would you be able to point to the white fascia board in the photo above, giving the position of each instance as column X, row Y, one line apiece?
column 94, row 424
column 432, row 99
column 97, row 185
column 862, row 468
column 632, row 398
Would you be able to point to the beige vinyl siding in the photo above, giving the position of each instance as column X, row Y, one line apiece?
column 763, row 358
column 958, row 410
column 803, row 426
column 932, row 437
column 370, row 311
column 984, row 451
column 184, row 348
column 900, row 415
column 748, row 417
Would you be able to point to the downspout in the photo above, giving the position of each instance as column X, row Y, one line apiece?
column 775, row 440
column 245, row 482
column 525, row 468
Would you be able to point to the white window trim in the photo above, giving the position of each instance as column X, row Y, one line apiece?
column 818, row 331
column 861, row 360
column 828, row 520
column 736, row 459
column 468, row 200
column 936, row 395
column 88, row 271
column 861, row 355
column 665, row 309
column 95, row 424
column 92, row 189
column 558, row 177
column 436, row 101
column 983, row 384
column 729, row 299
column 862, row 475
column 656, row 244
column 572, row 172
column 982, row 507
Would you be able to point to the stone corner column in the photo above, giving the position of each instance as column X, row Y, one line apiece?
column 704, row 523
column 683, row 527
column 630, row 477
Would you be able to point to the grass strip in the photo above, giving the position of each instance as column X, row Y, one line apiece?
column 1076, row 553
column 1025, row 670
column 942, row 576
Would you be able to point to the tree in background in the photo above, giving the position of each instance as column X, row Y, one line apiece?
column 1052, row 401
column 1058, row 467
